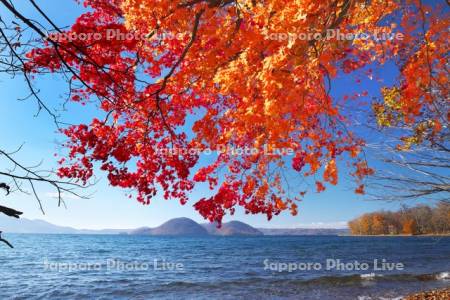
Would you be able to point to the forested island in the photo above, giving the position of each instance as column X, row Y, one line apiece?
column 418, row 220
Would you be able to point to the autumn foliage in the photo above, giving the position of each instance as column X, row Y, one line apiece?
column 409, row 221
column 209, row 75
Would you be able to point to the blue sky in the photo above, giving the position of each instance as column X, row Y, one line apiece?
column 108, row 207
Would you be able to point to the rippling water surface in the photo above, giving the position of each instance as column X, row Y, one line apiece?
column 142, row 267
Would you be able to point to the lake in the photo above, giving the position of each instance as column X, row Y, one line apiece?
column 263, row 267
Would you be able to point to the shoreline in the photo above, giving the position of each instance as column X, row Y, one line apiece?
column 438, row 294
column 399, row 235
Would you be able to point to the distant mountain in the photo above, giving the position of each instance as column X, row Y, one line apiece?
column 24, row 225
column 303, row 231
column 141, row 231
column 231, row 228
column 185, row 226
column 175, row 227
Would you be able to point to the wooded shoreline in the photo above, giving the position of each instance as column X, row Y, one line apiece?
column 399, row 235
column 408, row 221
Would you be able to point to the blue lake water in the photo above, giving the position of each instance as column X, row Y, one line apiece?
column 143, row 267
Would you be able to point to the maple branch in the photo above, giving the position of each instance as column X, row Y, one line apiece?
column 212, row 3
column 345, row 8
column 430, row 69
column 57, row 47
column 31, row 176
column 6, row 187
column 86, row 58
column 10, row 212
column 172, row 71
column 41, row 104
column 183, row 54
column 5, row 241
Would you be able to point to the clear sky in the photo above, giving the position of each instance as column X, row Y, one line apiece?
column 108, row 207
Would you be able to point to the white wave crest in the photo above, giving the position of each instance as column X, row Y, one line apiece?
column 443, row 276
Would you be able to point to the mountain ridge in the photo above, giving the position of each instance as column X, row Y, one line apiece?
column 231, row 228
column 173, row 227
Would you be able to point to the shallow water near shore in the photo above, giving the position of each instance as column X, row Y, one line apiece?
column 265, row 267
